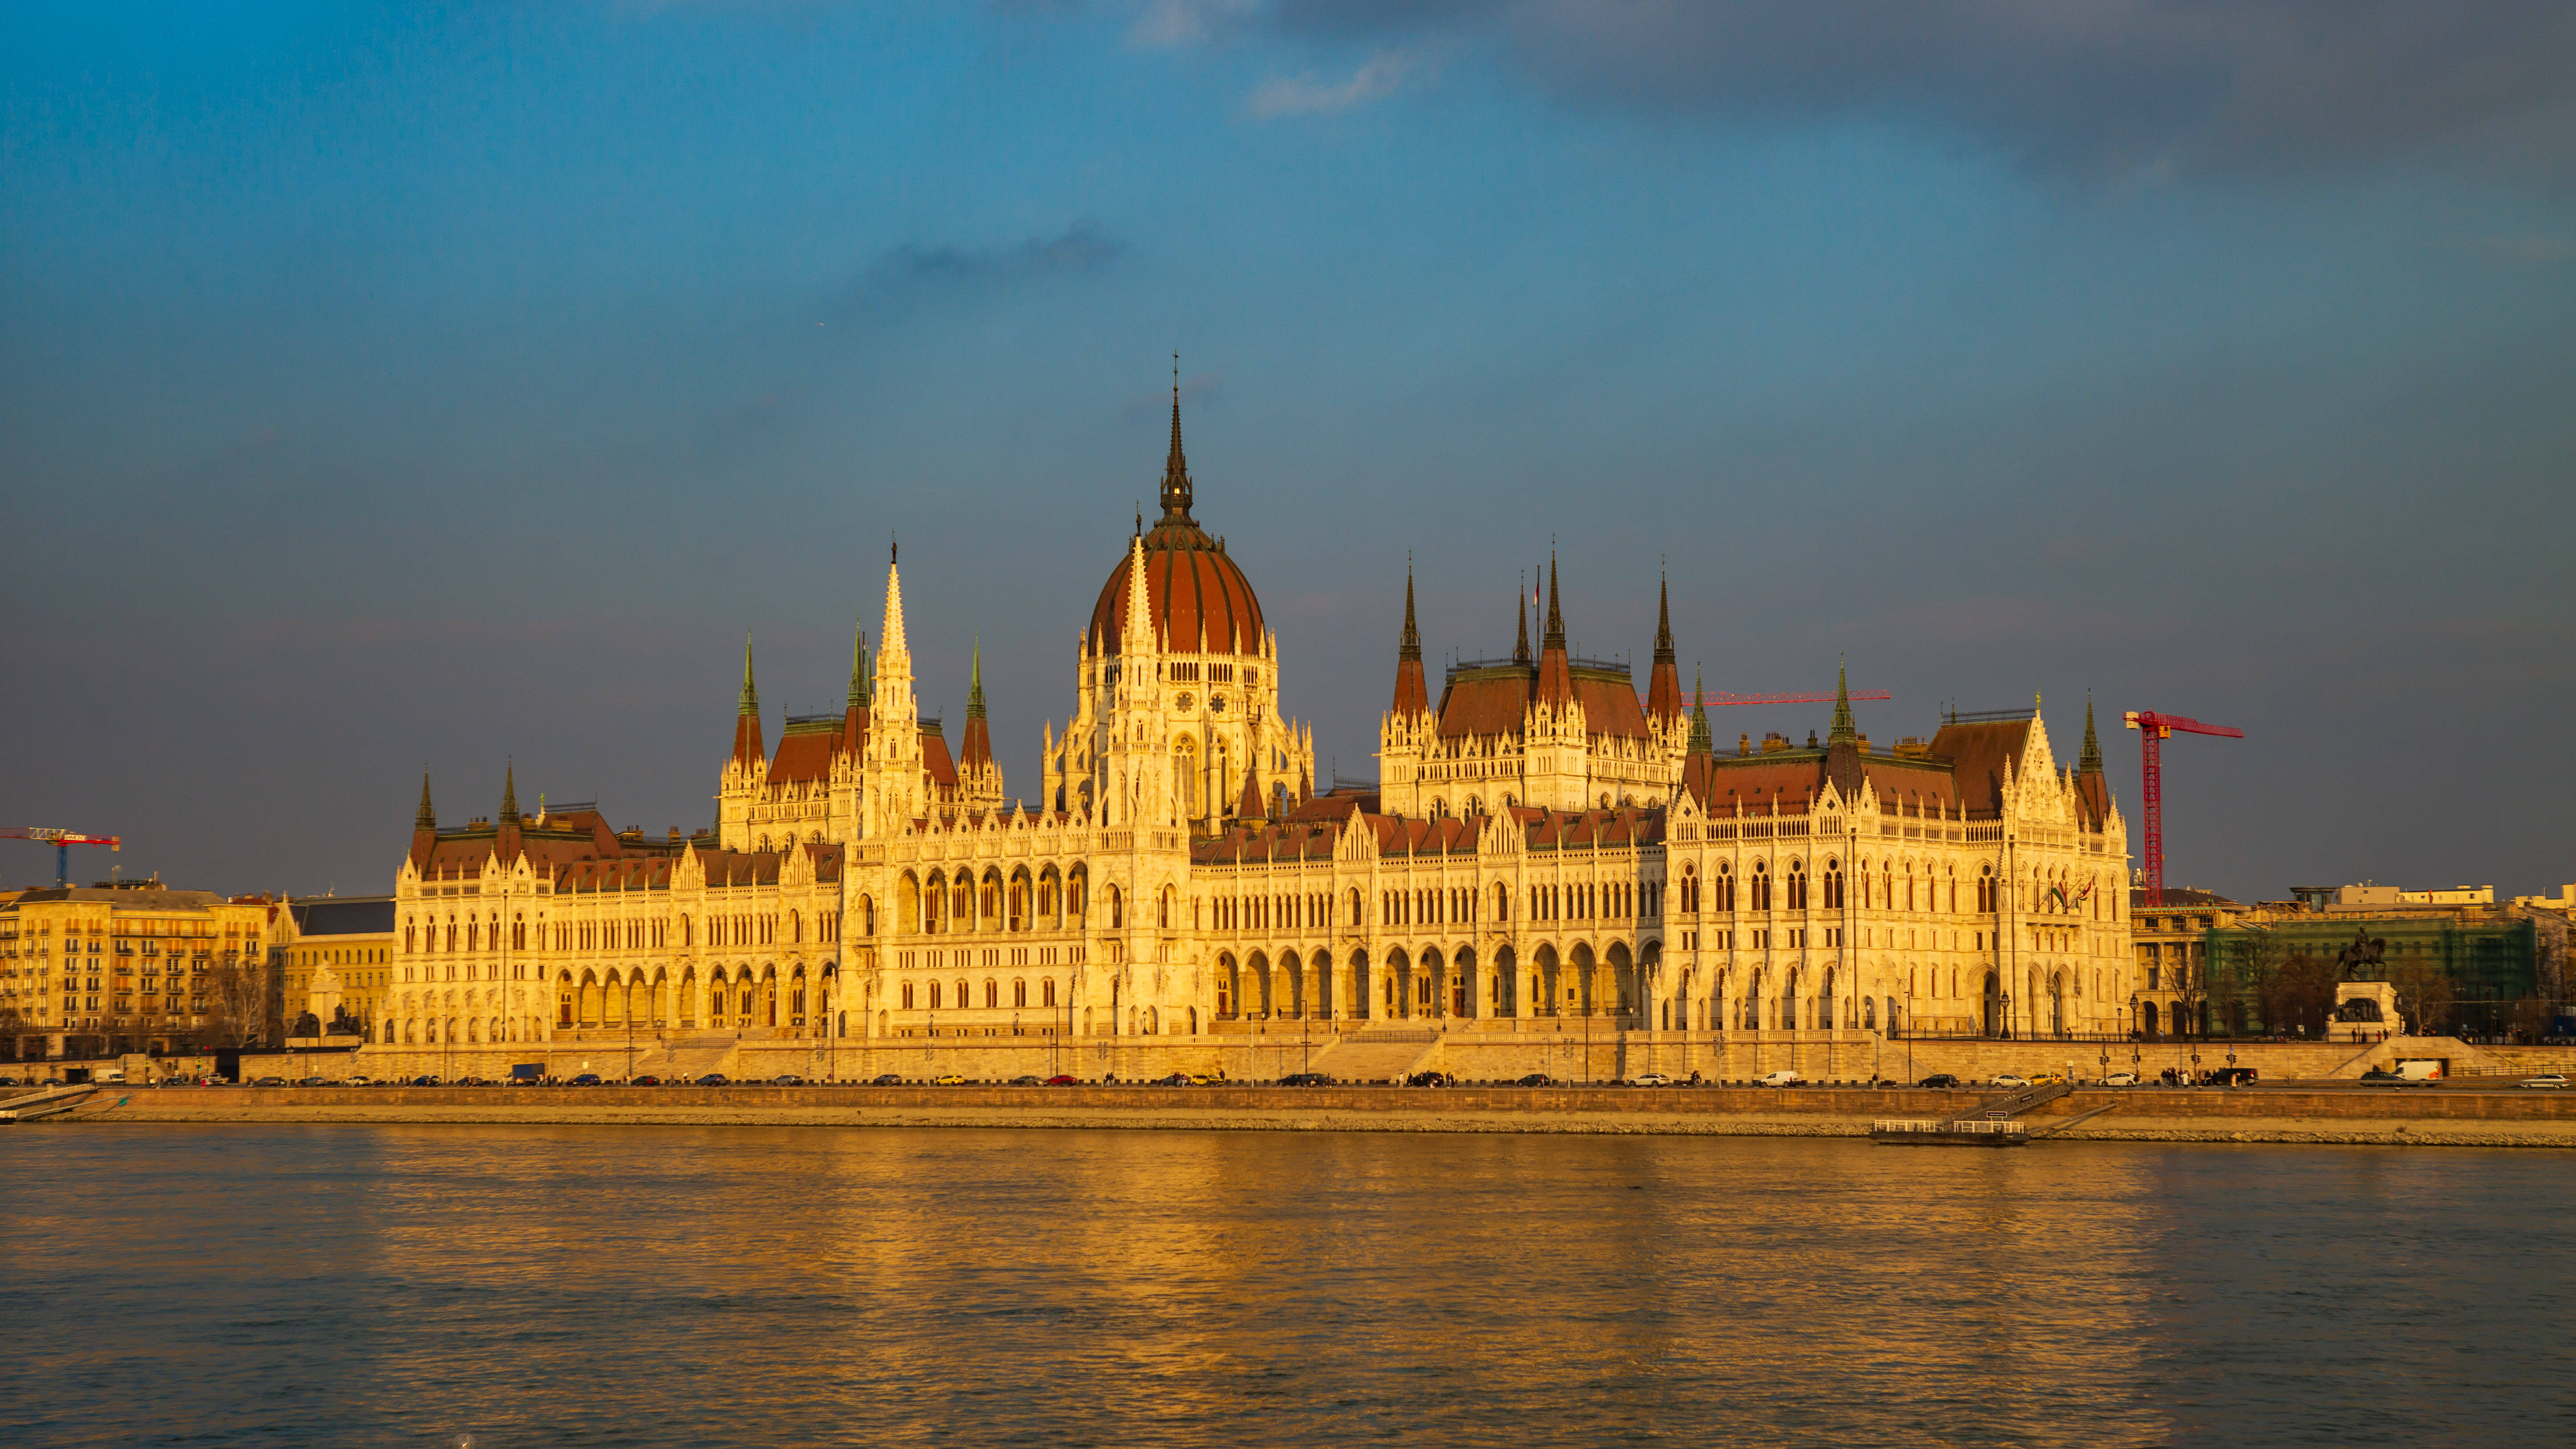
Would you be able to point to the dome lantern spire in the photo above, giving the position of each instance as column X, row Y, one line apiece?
column 1176, row 468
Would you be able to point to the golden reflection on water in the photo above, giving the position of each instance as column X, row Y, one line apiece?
column 752, row 1286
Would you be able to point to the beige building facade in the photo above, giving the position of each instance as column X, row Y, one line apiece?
column 101, row 971
column 1545, row 847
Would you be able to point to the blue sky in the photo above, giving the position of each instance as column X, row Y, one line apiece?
column 390, row 386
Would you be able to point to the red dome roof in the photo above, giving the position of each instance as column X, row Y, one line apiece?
column 1201, row 602
column 1190, row 585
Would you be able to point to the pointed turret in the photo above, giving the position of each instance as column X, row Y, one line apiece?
column 1555, row 674
column 510, row 795
column 1176, row 468
column 1842, row 742
column 977, row 750
column 2090, row 786
column 424, row 829
column 747, row 751
column 427, row 819
column 859, row 670
column 1664, row 686
column 2090, row 762
column 1412, row 697
column 854, row 715
column 1701, row 741
column 1251, row 807
column 895, row 791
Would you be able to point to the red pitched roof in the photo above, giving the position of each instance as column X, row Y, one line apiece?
column 1191, row 586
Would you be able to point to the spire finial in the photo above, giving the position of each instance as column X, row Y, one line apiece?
column 975, row 683
column 1176, row 468
column 1701, row 741
column 1411, row 647
column 750, row 694
column 1663, row 619
column 2091, row 760
column 510, row 794
column 427, row 819
column 1844, row 731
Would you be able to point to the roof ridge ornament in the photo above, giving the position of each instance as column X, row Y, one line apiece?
column 1176, row 468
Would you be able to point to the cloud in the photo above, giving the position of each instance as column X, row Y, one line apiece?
column 1376, row 79
column 1182, row 22
column 2115, row 86
column 912, row 274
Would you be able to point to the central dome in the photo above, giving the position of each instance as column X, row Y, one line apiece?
column 1199, row 601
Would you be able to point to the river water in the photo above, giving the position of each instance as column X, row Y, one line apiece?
column 745, row 1287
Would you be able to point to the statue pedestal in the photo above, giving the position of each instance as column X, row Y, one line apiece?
column 2364, row 1010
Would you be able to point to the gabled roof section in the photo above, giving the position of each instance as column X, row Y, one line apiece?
column 1979, row 752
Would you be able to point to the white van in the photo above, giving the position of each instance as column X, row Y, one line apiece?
column 1782, row 1078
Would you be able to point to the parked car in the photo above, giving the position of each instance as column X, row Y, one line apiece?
column 360, row 1080
column 1029, row 1079
column 1176, row 1079
column 1536, row 1079
column 8, row 1081
column 586, row 1079
column 787, row 1079
column 424, row 1081
column 889, row 1079
column 1306, row 1079
column 2232, row 1077
column 472, row 1082
column 1062, row 1080
column 948, row 1079
column 646, row 1080
column 1650, row 1079
column 1939, row 1081
column 715, row 1079
column 2551, row 1080
column 270, row 1082
column 2014, row 1080
column 313, row 1081
column 2121, row 1079
column 1427, row 1079
column 1782, row 1078
column 2378, row 1075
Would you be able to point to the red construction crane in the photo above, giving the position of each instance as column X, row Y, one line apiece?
column 1715, row 699
column 2153, row 729
column 62, row 842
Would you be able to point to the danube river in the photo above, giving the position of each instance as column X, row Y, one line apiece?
column 757, row 1286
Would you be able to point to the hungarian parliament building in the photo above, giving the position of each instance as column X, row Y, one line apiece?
column 1541, row 842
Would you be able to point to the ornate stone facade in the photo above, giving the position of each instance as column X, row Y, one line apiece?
column 1543, row 845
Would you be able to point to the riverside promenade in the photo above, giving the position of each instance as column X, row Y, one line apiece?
column 2499, row 1117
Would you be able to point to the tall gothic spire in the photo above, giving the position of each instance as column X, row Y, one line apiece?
column 975, row 683
column 1176, row 469
column 1701, row 741
column 1412, row 696
column 510, row 795
column 1663, row 621
column 859, row 671
column 1664, row 686
column 2091, row 761
column 427, row 819
column 1844, row 730
column 750, row 692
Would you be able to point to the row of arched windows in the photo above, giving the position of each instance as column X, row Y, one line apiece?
column 914, row 995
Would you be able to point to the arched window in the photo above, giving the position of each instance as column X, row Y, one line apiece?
column 1833, row 885
column 934, row 996
column 1046, row 992
column 1117, row 910
column 907, row 996
column 1019, row 993
column 1797, row 885
column 992, row 993
column 1761, row 886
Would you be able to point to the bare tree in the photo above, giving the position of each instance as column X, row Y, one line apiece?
column 2300, row 994
column 2424, row 996
column 237, row 1003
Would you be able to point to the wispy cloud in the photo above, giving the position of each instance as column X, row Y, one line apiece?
column 2134, row 88
column 1378, row 77
column 915, row 273
column 1169, row 23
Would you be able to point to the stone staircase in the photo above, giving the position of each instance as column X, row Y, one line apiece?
column 1379, row 1055
column 2012, row 1106
column 687, row 1058
column 2465, row 1060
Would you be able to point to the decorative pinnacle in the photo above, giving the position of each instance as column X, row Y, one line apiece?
column 1663, row 621
column 510, row 794
column 1411, row 648
column 2091, row 760
column 427, row 819
column 975, row 685
column 1844, row 730
column 1701, row 741
column 750, row 693
column 1176, row 468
